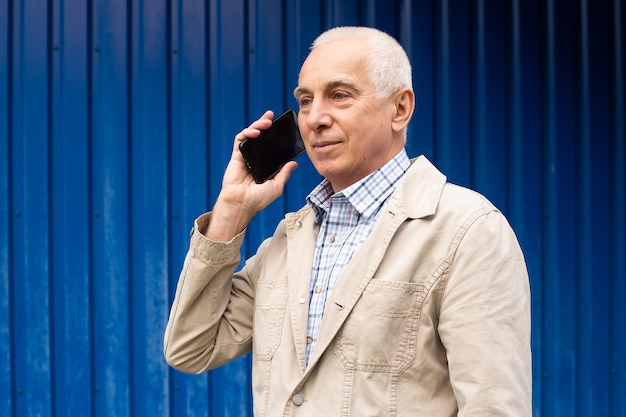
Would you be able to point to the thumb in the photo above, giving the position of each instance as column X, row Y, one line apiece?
column 285, row 172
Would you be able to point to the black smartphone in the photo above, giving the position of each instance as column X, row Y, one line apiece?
column 266, row 154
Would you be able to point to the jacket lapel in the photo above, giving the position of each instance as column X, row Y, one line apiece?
column 416, row 196
column 301, row 235
column 354, row 279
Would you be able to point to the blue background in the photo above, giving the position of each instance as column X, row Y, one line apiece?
column 117, row 120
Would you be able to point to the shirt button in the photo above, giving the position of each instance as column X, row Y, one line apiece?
column 309, row 340
column 298, row 399
column 299, row 223
column 331, row 239
column 318, row 289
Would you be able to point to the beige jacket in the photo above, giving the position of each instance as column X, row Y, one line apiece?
column 430, row 318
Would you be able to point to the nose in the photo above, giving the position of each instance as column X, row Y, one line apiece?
column 318, row 116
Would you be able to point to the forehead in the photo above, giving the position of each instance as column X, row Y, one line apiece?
column 336, row 60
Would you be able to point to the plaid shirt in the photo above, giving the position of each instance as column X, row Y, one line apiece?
column 346, row 218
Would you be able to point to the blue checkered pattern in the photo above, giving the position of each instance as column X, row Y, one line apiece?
column 346, row 218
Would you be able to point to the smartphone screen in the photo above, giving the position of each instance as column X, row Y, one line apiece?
column 266, row 154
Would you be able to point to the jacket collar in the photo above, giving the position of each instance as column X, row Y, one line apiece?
column 420, row 189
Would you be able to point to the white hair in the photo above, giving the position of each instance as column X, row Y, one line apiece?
column 388, row 65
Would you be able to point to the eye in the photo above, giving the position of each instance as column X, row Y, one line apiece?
column 305, row 101
column 339, row 95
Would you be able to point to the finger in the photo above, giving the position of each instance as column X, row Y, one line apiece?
column 268, row 115
column 254, row 130
column 285, row 172
column 263, row 122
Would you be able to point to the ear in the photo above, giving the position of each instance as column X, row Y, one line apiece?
column 404, row 105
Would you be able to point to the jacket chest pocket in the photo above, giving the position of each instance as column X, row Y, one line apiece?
column 380, row 333
column 269, row 313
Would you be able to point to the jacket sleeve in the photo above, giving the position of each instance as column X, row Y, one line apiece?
column 484, row 321
column 210, row 320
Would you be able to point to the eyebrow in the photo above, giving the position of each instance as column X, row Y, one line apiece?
column 331, row 85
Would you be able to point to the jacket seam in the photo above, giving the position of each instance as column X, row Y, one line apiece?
column 442, row 272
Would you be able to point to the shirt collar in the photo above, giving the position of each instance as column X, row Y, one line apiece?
column 365, row 195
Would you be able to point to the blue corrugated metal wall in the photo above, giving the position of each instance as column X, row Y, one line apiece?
column 116, row 121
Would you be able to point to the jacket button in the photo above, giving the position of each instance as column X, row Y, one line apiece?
column 299, row 223
column 298, row 399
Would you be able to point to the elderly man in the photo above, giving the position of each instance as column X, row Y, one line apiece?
column 390, row 293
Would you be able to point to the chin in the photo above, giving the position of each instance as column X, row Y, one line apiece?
column 328, row 171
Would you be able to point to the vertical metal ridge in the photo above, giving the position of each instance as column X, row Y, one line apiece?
column 594, row 196
column 617, row 386
column 69, row 209
column 559, row 294
column 582, row 284
column 7, row 333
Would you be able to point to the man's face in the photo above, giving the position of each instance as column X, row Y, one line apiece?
column 347, row 131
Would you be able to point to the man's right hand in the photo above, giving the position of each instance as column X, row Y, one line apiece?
column 241, row 197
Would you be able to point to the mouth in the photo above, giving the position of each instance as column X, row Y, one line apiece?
column 325, row 145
